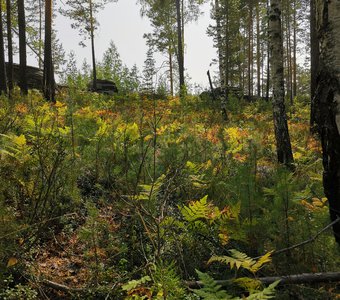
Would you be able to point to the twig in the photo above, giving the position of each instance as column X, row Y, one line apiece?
column 62, row 287
column 312, row 239
column 36, row 224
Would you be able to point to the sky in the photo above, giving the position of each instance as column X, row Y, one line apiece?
column 121, row 22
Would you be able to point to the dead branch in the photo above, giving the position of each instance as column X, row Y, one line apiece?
column 312, row 239
column 287, row 279
column 61, row 287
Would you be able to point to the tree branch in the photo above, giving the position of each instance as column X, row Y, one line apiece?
column 287, row 279
column 312, row 239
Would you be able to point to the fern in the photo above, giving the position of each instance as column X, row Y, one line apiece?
column 132, row 284
column 150, row 192
column 239, row 259
column 211, row 290
column 266, row 293
column 196, row 210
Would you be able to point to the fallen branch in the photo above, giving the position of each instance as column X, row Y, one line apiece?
column 61, row 287
column 289, row 279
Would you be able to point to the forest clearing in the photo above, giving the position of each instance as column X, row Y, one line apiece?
column 128, row 185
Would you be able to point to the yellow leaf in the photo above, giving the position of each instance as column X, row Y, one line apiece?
column 12, row 262
column 19, row 140
column 58, row 104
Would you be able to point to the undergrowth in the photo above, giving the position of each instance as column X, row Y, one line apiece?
column 127, row 198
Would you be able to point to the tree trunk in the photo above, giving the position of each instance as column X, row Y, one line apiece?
column 94, row 69
column 314, row 64
column 9, row 45
column 180, row 48
column 289, row 53
column 40, row 33
column 258, row 51
column 219, row 42
column 328, row 103
column 48, row 82
column 294, row 50
column 283, row 146
column 3, row 81
column 171, row 72
column 22, row 47
column 268, row 55
column 227, row 54
column 250, row 49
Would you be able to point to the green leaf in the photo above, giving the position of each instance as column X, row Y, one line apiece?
column 132, row 284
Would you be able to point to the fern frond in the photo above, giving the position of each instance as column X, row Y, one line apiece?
column 239, row 259
column 249, row 284
column 211, row 290
column 196, row 210
column 261, row 261
column 266, row 293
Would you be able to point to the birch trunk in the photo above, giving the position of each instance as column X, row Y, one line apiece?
column 283, row 146
column 328, row 102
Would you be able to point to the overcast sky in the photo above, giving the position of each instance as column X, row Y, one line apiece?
column 121, row 22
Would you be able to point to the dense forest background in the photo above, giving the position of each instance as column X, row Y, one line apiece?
column 118, row 183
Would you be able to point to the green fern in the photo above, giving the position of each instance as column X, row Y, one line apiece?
column 197, row 210
column 211, row 290
column 132, row 284
column 266, row 293
column 150, row 192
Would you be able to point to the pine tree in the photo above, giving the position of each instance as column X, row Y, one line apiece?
column 149, row 72
column 83, row 13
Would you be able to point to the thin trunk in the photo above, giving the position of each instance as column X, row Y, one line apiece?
column 48, row 84
column 294, row 50
column 287, row 40
column 40, row 34
column 94, row 70
column 171, row 73
column 314, row 64
column 283, row 145
column 9, row 69
column 3, row 81
column 22, row 47
column 327, row 96
column 226, row 60
column 180, row 48
column 289, row 55
column 250, row 49
column 219, row 42
column 258, row 50
column 268, row 55
column 211, row 86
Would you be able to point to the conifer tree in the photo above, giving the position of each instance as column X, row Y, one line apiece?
column 83, row 12
column 149, row 72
